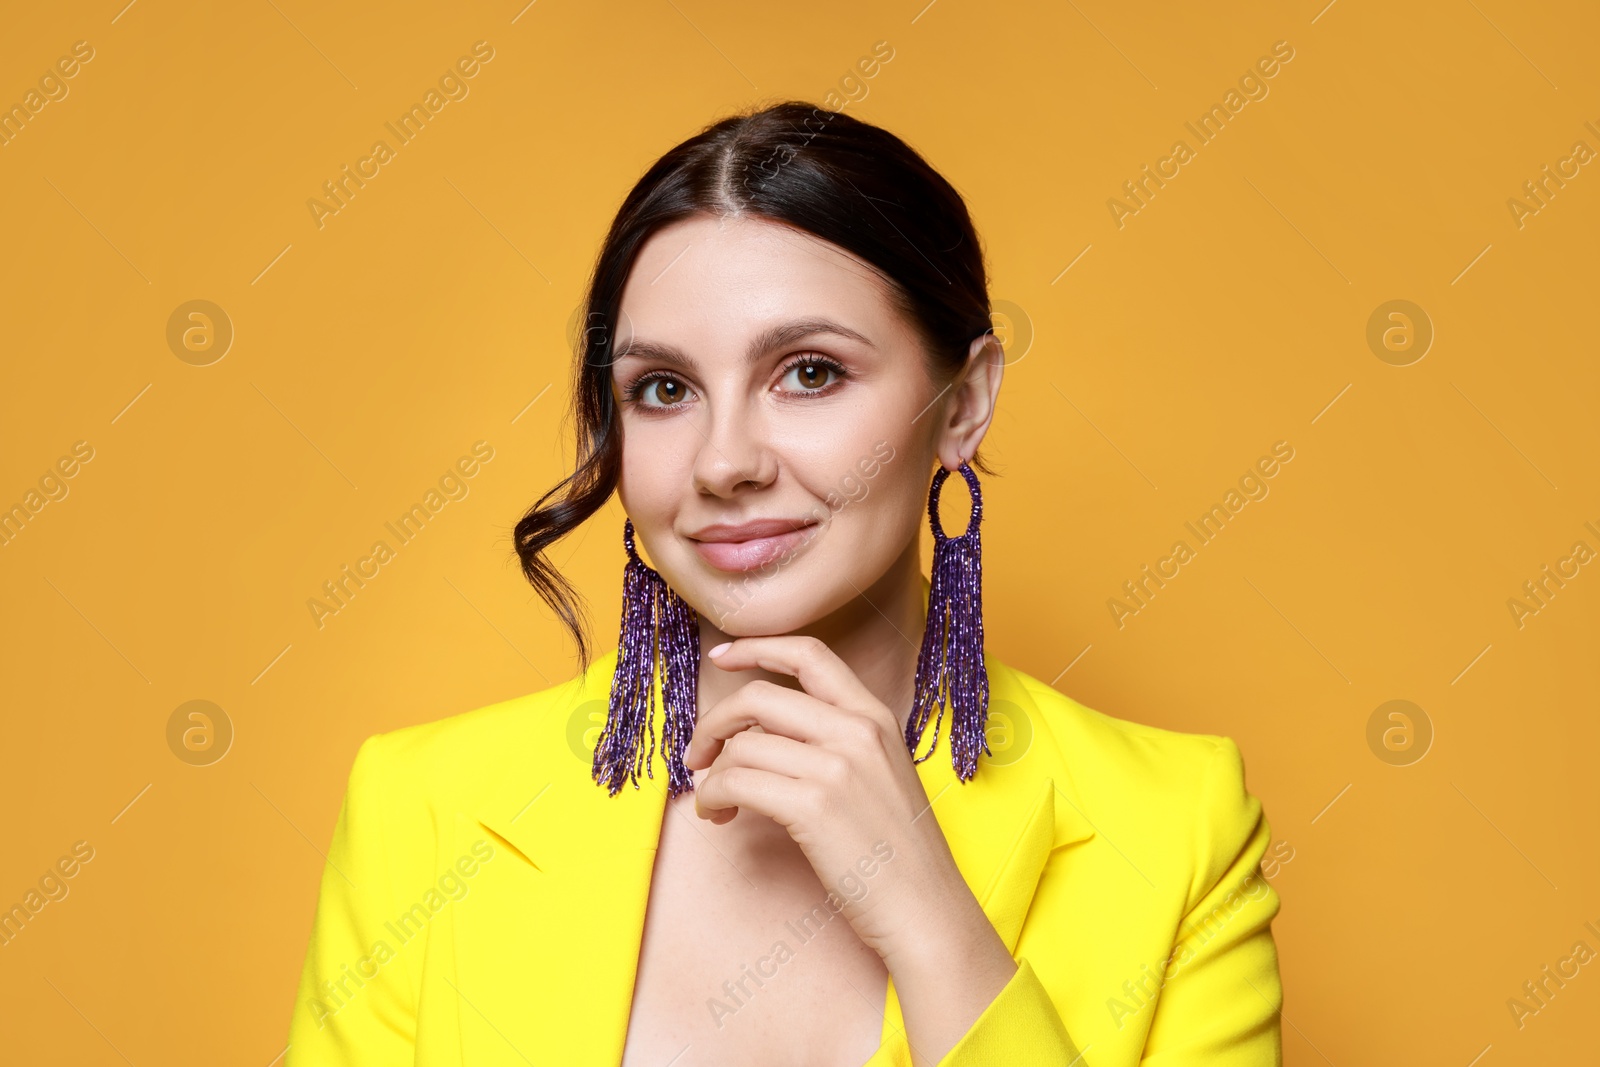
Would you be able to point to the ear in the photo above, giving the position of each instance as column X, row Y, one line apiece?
column 970, row 407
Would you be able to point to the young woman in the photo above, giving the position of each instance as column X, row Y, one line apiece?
column 758, row 855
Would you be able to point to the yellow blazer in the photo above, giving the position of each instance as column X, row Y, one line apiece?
column 483, row 901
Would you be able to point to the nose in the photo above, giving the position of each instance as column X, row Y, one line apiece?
column 734, row 454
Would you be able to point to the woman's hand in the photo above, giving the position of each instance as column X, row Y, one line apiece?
column 832, row 768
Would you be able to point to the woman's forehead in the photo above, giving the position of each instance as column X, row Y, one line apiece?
column 726, row 281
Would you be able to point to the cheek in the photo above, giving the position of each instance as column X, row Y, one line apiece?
column 654, row 475
column 877, row 512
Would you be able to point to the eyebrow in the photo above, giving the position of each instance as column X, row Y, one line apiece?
column 778, row 336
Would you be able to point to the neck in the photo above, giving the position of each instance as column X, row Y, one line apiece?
column 877, row 634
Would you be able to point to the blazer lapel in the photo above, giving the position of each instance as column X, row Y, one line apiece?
column 1003, row 825
column 548, row 947
column 1002, row 828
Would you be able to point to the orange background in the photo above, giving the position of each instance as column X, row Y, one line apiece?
column 1229, row 313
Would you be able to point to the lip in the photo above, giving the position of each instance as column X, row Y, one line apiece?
column 748, row 545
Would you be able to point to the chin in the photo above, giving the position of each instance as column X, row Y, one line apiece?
column 752, row 623
column 746, row 604
column 743, row 598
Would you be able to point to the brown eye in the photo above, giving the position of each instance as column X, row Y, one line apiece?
column 812, row 375
column 656, row 392
column 667, row 391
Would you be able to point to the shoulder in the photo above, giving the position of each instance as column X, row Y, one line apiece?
column 1110, row 757
column 1162, row 793
column 454, row 759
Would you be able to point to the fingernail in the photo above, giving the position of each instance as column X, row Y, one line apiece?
column 719, row 650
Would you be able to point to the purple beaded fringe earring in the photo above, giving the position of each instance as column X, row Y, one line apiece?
column 950, row 664
column 655, row 620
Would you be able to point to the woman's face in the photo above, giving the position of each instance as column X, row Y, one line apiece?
column 764, row 381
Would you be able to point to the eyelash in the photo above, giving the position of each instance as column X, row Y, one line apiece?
column 637, row 387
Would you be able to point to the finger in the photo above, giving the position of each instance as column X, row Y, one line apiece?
column 774, row 708
column 778, row 754
column 780, row 798
column 818, row 668
column 781, row 755
column 756, row 707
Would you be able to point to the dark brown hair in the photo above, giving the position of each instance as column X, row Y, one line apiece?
column 845, row 181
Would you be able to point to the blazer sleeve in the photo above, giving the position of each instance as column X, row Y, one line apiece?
column 356, row 1003
column 1219, row 1005
column 1222, row 996
column 1020, row 1025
